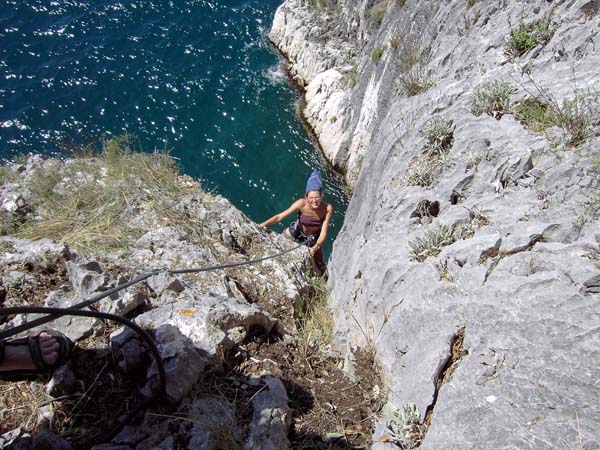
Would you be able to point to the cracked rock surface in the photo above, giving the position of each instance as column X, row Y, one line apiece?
column 520, row 272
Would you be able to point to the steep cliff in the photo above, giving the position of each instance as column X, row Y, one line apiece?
column 469, row 259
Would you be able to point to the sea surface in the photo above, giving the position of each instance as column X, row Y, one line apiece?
column 195, row 77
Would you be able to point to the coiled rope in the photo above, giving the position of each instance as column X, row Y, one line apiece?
column 75, row 310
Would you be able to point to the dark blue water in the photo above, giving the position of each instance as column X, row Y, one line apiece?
column 196, row 77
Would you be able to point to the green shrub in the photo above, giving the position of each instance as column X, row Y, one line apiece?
column 492, row 98
column 7, row 175
column 577, row 117
column 439, row 133
column 526, row 36
column 439, row 137
column 576, row 120
column 405, row 427
column 377, row 54
column 432, row 242
column 377, row 12
column 348, row 80
column 535, row 113
column 414, row 77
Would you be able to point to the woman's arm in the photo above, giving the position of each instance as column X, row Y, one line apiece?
column 283, row 214
column 323, row 233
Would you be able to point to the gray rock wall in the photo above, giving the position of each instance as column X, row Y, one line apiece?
column 494, row 338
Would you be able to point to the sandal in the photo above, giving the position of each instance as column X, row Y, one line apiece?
column 64, row 351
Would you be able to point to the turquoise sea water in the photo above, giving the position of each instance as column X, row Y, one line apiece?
column 197, row 77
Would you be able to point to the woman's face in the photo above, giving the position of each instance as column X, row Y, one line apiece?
column 314, row 199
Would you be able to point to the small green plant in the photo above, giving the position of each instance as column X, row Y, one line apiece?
column 377, row 12
column 321, row 4
column 492, row 98
column 348, row 80
column 526, row 36
column 394, row 42
column 313, row 318
column 576, row 119
column 476, row 220
column 471, row 3
column 377, row 54
column 432, row 242
column 7, row 175
column 400, row 3
column 421, row 171
column 414, row 77
column 535, row 113
column 439, row 133
column 439, row 137
column 404, row 425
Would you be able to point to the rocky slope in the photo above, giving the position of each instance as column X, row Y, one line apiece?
column 469, row 260
column 147, row 219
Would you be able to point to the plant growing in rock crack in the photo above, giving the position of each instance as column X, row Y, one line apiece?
column 439, row 137
column 378, row 11
column 404, row 426
column 492, row 98
column 475, row 222
column 433, row 241
column 377, row 54
column 439, row 133
column 348, row 80
column 313, row 319
column 535, row 113
column 526, row 36
column 579, row 117
column 414, row 59
column 367, row 329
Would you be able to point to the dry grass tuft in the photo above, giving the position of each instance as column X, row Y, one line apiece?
column 89, row 203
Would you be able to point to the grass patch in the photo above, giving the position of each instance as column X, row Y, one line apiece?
column 579, row 117
column 414, row 75
column 377, row 54
column 348, row 80
column 492, row 98
column 90, row 203
column 526, row 36
column 535, row 113
column 7, row 175
column 377, row 12
column 313, row 319
column 320, row 5
column 439, row 137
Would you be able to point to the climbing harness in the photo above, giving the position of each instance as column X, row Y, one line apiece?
column 75, row 310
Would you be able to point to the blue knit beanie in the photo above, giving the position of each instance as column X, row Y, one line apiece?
column 314, row 182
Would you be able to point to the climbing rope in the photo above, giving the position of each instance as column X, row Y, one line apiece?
column 75, row 310
column 66, row 311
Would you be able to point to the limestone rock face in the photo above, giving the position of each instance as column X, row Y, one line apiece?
column 483, row 310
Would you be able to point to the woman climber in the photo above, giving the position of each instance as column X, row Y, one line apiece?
column 314, row 216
